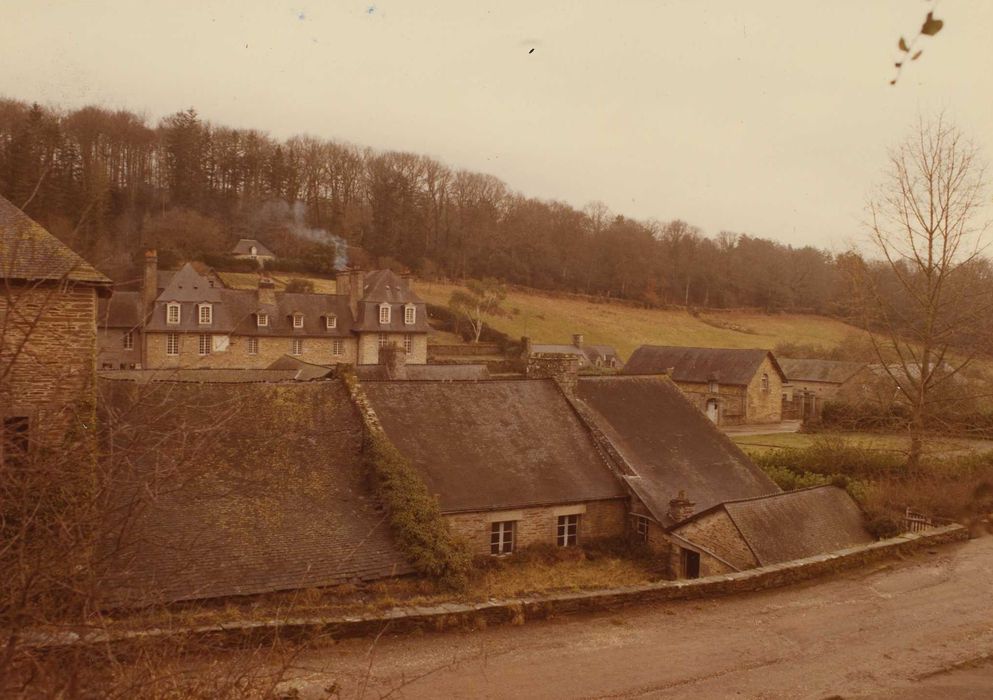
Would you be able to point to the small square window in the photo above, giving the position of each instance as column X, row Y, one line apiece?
column 297, row 347
column 253, row 346
column 262, row 319
column 172, row 344
column 203, row 348
column 128, row 340
column 298, row 320
column 502, row 537
column 331, row 321
column 568, row 531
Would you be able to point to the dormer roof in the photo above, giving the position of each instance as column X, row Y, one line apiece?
column 388, row 286
column 244, row 247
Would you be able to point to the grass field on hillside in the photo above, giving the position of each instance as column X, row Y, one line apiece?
column 758, row 444
column 550, row 319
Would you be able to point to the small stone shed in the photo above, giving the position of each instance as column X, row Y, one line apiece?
column 510, row 461
column 730, row 386
column 752, row 532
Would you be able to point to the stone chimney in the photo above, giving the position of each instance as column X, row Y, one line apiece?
column 341, row 278
column 150, row 282
column 577, row 340
column 356, row 290
column 680, row 508
column 527, row 347
column 267, row 291
column 408, row 281
column 564, row 369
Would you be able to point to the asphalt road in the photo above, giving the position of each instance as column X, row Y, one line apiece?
column 917, row 628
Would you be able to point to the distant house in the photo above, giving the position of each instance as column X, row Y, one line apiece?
column 811, row 383
column 589, row 356
column 48, row 335
column 251, row 249
column 747, row 533
column 119, row 331
column 732, row 387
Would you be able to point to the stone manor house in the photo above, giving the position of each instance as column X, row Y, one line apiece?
column 270, row 491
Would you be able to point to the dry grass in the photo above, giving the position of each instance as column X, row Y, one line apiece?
column 550, row 319
column 897, row 443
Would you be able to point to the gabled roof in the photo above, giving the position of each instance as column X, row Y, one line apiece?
column 305, row 371
column 189, row 285
column 386, row 285
column 267, row 492
column 669, row 444
column 244, row 247
column 587, row 354
column 29, row 252
column 119, row 310
column 493, row 445
column 794, row 524
column 826, row 371
column 445, row 373
column 700, row 365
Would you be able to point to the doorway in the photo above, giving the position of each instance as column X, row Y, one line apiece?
column 691, row 564
column 712, row 411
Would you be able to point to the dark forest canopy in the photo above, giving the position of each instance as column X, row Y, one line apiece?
column 109, row 184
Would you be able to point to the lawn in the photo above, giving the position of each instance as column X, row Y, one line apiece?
column 550, row 319
column 946, row 446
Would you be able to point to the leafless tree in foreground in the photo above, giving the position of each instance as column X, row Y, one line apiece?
column 928, row 302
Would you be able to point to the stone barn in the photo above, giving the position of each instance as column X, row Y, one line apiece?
column 730, row 386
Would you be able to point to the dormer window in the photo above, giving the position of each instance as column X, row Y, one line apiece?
column 384, row 313
column 262, row 320
column 331, row 321
column 255, row 251
column 298, row 320
column 409, row 314
column 172, row 313
column 206, row 314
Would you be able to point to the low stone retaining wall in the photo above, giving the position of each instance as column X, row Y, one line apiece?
column 465, row 350
column 518, row 610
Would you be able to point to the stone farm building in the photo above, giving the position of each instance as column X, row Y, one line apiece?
column 251, row 249
column 190, row 319
column 588, row 355
column 732, row 387
column 48, row 337
column 811, row 383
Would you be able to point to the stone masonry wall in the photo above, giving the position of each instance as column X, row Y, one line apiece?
column 53, row 375
column 765, row 406
column 368, row 347
column 315, row 350
column 111, row 351
column 598, row 519
column 718, row 533
column 731, row 400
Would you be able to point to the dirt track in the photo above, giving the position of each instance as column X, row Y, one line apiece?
column 919, row 628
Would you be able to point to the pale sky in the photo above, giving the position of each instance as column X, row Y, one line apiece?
column 766, row 117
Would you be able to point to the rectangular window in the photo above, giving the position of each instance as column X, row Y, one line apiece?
column 298, row 320
column 297, row 347
column 172, row 313
column 408, row 343
column 206, row 314
column 203, row 348
column 337, row 347
column 16, row 440
column 128, row 340
column 253, row 346
column 332, row 322
column 502, row 537
column 641, row 528
column 172, row 344
column 263, row 320
column 568, row 531
column 383, row 340
column 409, row 315
column 384, row 314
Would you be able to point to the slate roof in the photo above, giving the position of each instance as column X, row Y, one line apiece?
column 29, row 252
column 271, row 497
column 448, row 373
column 669, row 444
column 206, row 375
column 700, row 365
column 826, row 371
column 587, row 354
column 796, row 524
column 386, row 285
column 493, row 445
column 305, row 371
column 244, row 247
column 119, row 310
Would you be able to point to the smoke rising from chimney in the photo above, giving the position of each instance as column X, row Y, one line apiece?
column 295, row 216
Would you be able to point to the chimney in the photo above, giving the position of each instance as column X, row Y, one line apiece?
column 408, row 281
column 356, row 290
column 577, row 340
column 150, row 283
column 267, row 291
column 564, row 369
column 680, row 508
column 527, row 346
column 341, row 281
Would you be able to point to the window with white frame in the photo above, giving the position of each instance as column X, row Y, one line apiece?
column 297, row 346
column 640, row 527
column 203, row 347
column 384, row 313
column 172, row 344
column 298, row 320
column 568, row 531
column 337, row 347
column 502, row 537
column 206, row 314
column 384, row 340
column 173, row 314
column 262, row 319
column 409, row 314
column 408, row 343
column 253, row 346
column 331, row 321
column 128, row 340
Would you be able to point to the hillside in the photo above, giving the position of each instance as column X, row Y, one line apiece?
column 550, row 319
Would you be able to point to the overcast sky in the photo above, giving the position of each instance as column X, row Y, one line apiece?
column 770, row 118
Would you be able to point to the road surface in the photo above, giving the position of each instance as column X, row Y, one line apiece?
column 916, row 628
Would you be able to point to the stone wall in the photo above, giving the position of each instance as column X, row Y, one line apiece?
column 316, row 350
column 49, row 333
column 722, row 538
column 368, row 347
column 598, row 519
column 111, row 353
column 765, row 405
column 731, row 400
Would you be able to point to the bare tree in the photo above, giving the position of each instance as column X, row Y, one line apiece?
column 483, row 298
column 928, row 301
